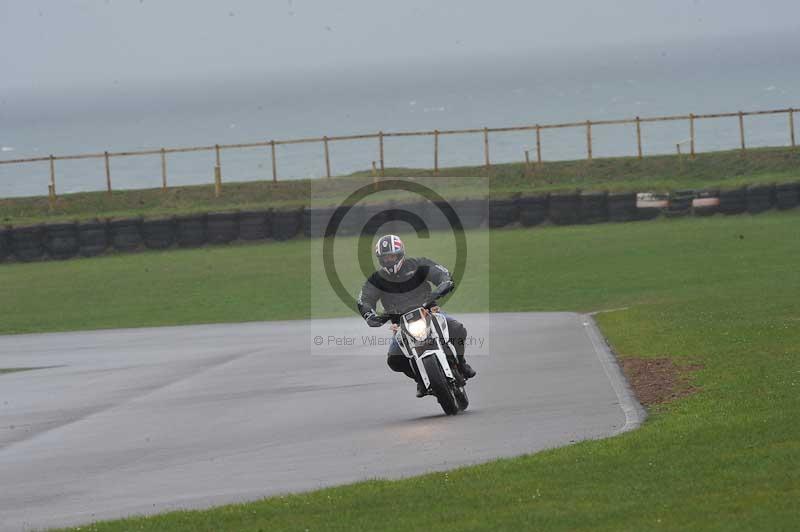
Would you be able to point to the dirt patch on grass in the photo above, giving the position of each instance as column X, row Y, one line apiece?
column 658, row 380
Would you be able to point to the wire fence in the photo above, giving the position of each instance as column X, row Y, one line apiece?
column 379, row 166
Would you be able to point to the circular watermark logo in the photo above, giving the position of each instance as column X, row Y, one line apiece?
column 374, row 223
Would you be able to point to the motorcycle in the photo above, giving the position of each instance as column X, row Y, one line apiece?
column 423, row 337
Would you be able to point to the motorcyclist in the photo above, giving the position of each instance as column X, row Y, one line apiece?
column 402, row 284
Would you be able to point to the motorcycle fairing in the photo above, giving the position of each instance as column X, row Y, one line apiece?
column 441, row 335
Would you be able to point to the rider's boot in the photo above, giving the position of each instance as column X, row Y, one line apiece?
column 421, row 391
column 466, row 369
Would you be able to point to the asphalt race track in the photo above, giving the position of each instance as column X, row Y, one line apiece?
column 148, row 420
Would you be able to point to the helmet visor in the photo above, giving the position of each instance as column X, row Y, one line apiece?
column 390, row 260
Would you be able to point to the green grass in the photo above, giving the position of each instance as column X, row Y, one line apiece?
column 15, row 370
column 654, row 173
column 721, row 292
column 658, row 173
column 580, row 268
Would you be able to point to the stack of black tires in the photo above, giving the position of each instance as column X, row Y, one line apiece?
column 90, row 238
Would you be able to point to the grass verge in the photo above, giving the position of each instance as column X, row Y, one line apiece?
column 720, row 293
column 15, row 370
column 654, row 173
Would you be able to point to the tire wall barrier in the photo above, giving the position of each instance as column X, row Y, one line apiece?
column 95, row 237
column 503, row 212
column 286, row 224
column 158, row 233
column 394, row 220
column 733, row 201
column 315, row 221
column 706, row 203
column 473, row 212
column 352, row 222
column 533, row 209
column 5, row 243
column 760, row 198
column 255, row 225
column 680, row 203
column 222, row 227
column 649, row 206
column 61, row 240
column 436, row 219
column 594, row 207
column 126, row 234
column 27, row 243
column 190, row 231
column 622, row 206
column 787, row 195
column 564, row 209
column 376, row 213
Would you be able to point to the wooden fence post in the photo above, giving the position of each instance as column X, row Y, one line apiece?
column 486, row 150
column 108, row 173
column 274, row 163
column 51, row 188
column 791, row 127
column 217, row 174
column 217, row 182
column 691, row 134
column 741, row 131
column 327, row 158
column 538, row 145
column 639, row 137
column 436, row 152
column 527, row 163
column 163, row 170
column 380, row 153
column 589, row 140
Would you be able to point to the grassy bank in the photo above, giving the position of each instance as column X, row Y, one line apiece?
column 581, row 268
column 658, row 173
column 14, row 370
column 719, row 292
column 655, row 173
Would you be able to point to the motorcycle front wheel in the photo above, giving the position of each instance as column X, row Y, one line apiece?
column 461, row 398
column 440, row 387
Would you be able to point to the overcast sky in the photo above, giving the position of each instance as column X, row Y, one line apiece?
column 71, row 43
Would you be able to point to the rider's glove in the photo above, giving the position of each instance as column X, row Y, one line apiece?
column 445, row 288
column 372, row 319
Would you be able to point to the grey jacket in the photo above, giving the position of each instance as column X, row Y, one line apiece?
column 409, row 289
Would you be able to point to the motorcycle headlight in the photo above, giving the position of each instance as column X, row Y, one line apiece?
column 418, row 329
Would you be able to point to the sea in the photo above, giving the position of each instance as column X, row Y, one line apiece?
column 524, row 89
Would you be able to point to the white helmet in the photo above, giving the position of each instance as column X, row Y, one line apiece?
column 391, row 253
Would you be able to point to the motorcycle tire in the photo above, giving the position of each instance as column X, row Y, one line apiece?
column 440, row 387
column 461, row 399
column 458, row 387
